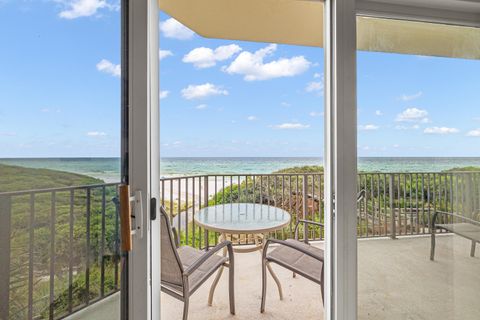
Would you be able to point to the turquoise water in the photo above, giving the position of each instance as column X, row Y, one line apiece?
column 108, row 169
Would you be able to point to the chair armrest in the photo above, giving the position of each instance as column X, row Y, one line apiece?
column 208, row 254
column 175, row 237
column 291, row 245
column 306, row 222
column 435, row 216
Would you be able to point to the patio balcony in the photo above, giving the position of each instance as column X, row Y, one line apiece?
column 389, row 276
column 68, row 243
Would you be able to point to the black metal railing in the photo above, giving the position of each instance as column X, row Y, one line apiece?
column 60, row 250
column 60, row 247
column 390, row 205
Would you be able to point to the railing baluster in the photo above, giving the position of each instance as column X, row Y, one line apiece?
column 52, row 255
column 372, row 187
column 87, row 257
column 117, row 239
column 193, row 212
column 417, row 225
column 102, row 245
column 379, row 208
column 423, row 203
column 5, row 248
column 31, row 242
column 179, row 206
column 200, row 208
column 254, row 189
column 239, row 189
column 187, row 208
column 171, row 202
column 411, row 204
column 163, row 192
column 304, row 203
column 290, row 204
column 205, row 199
column 391, row 195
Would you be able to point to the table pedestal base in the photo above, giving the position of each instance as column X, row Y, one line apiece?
column 260, row 240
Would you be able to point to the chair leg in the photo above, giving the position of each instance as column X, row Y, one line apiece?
column 231, row 287
column 432, row 246
column 185, row 307
column 264, row 285
column 472, row 250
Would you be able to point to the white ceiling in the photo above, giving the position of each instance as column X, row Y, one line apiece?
column 470, row 6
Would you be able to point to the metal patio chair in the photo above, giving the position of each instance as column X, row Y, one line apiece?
column 185, row 269
column 457, row 224
column 297, row 256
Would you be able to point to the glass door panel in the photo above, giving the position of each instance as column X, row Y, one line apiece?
column 419, row 170
column 60, row 159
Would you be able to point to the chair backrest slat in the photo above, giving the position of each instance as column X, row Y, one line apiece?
column 172, row 269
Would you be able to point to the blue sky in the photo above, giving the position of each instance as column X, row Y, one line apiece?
column 59, row 92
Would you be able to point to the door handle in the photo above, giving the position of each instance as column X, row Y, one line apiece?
column 126, row 216
column 138, row 199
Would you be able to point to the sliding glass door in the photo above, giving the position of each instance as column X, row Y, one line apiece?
column 60, row 160
column 418, row 187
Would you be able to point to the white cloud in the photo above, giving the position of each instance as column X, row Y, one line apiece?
column 414, row 127
column 253, row 68
column 315, row 114
column 201, row 107
column 96, row 134
column 314, row 86
column 202, row 91
column 368, row 127
column 164, row 94
column 84, row 8
column 8, row 133
column 413, row 115
column 252, row 118
column 205, row 57
column 474, row 133
column 317, row 75
column 171, row 28
column 109, row 67
column 287, row 126
column 411, row 97
column 378, row 113
column 440, row 130
column 162, row 54
column 48, row 110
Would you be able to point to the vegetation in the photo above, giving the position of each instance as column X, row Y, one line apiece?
column 413, row 197
column 13, row 178
column 32, row 224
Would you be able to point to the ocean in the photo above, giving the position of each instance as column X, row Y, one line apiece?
column 108, row 169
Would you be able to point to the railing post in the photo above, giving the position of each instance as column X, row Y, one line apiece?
column 392, row 209
column 304, row 207
column 205, row 201
column 5, row 223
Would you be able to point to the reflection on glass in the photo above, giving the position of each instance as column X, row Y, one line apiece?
column 419, row 181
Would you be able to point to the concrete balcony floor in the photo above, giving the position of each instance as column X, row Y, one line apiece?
column 396, row 281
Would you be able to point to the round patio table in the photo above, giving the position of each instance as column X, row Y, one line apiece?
column 243, row 219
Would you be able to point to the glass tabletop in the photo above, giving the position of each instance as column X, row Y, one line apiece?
column 242, row 218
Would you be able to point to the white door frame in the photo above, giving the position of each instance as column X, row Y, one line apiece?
column 340, row 160
column 341, row 136
column 144, row 285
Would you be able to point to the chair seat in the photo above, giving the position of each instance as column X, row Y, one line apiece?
column 188, row 256
column 467, row 230
column 297, row 261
